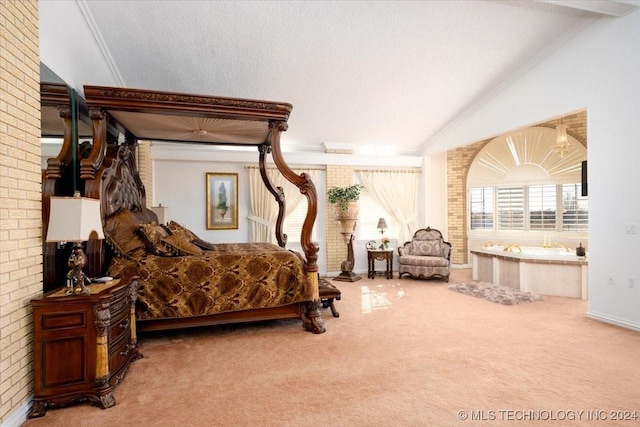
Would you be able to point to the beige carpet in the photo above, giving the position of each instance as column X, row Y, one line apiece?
column 402, row 353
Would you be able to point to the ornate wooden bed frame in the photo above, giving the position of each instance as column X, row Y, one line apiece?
column 109, row 173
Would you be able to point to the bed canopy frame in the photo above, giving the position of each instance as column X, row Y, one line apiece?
column 121, row 117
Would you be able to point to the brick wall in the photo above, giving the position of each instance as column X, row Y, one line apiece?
column 145, row 169
column 458, row 162
column 576, row 126
column 20, row 197
column 337, row 176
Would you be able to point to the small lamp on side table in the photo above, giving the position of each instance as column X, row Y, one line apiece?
column 382, row 225
column 162, row 212
column 75, row 219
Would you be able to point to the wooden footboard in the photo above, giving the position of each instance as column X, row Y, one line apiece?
column 308, row 311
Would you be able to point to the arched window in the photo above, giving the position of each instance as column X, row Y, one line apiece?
column 521, row 182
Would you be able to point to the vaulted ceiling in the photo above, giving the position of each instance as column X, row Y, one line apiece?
column 361, row 74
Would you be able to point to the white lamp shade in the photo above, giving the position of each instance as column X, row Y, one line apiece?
column 162, row 212
column 74, row 219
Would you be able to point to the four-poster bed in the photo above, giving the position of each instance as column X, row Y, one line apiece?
column 182, row 284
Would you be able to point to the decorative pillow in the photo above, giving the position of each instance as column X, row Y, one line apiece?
column 180, row 246
column 426, row 248
column 186, row 234
column 121, row 232
column 153, row 235
column 176, row 229
column 203, row 244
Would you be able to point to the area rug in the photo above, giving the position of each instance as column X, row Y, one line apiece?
column 495, row 293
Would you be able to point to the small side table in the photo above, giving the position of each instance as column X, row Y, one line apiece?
column 374, row 255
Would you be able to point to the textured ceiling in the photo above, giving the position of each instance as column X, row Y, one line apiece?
column 366, row 73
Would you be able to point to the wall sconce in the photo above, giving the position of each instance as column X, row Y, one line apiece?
column 382, row 225
column 75, row 219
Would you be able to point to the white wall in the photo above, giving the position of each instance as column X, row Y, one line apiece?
column 435, row 201
column 598, row 70
column 66, row 28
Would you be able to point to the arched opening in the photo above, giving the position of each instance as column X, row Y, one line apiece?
column 523, row 190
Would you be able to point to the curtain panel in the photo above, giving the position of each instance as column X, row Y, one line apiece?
column 264, row 207
column 396, row 192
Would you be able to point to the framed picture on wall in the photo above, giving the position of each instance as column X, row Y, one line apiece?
column 222, row 201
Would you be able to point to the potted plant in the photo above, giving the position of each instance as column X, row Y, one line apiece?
column 341, row 196
column 345, row 201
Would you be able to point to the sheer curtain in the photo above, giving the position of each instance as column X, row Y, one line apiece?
column 264, row 208
column 396, row 192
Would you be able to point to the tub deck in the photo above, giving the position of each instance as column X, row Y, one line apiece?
column 546, row 271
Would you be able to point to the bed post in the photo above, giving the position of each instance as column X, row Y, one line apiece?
column 278, row 193
column 58, row 179
column 311, row 317
column 93, row 162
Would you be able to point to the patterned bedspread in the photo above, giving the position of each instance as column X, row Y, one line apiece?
column 239, row 276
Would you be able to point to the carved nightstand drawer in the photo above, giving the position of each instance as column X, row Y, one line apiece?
column 50, row 322
column 119, row 355
column 120, row 324
column 120, row 303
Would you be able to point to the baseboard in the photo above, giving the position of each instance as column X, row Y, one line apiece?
column 19, row 416
column 460, row 266
column 365, row 273
column 613, row 321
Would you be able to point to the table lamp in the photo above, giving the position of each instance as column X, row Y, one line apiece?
column 162, row 212
column 382, row 225
column 75, row 219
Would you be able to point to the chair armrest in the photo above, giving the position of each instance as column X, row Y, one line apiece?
column 405, row 249
column 446, row 250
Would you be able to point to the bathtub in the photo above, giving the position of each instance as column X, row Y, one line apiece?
column 546, row 271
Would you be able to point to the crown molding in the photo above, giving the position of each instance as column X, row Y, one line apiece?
column 99, row 41
column 614, row 8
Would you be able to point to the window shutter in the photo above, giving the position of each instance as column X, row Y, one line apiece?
column 542, row 207
column 511, row 208
column 575, row 209
column 369, row 212
column 482, row 200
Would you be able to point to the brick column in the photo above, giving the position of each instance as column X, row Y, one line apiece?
column 337, row 176
column 20, row 198
column 145, row 169
column 458, row 162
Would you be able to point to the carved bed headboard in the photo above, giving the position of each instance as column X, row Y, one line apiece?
column 121, row 186
column 118, row 186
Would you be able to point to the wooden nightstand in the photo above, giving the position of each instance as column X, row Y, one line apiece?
column 83, row 344
column 374, row 255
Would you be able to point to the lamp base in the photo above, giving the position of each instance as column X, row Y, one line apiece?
column 77, row 281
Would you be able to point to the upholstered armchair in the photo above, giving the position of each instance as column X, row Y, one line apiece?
column 426, row 255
